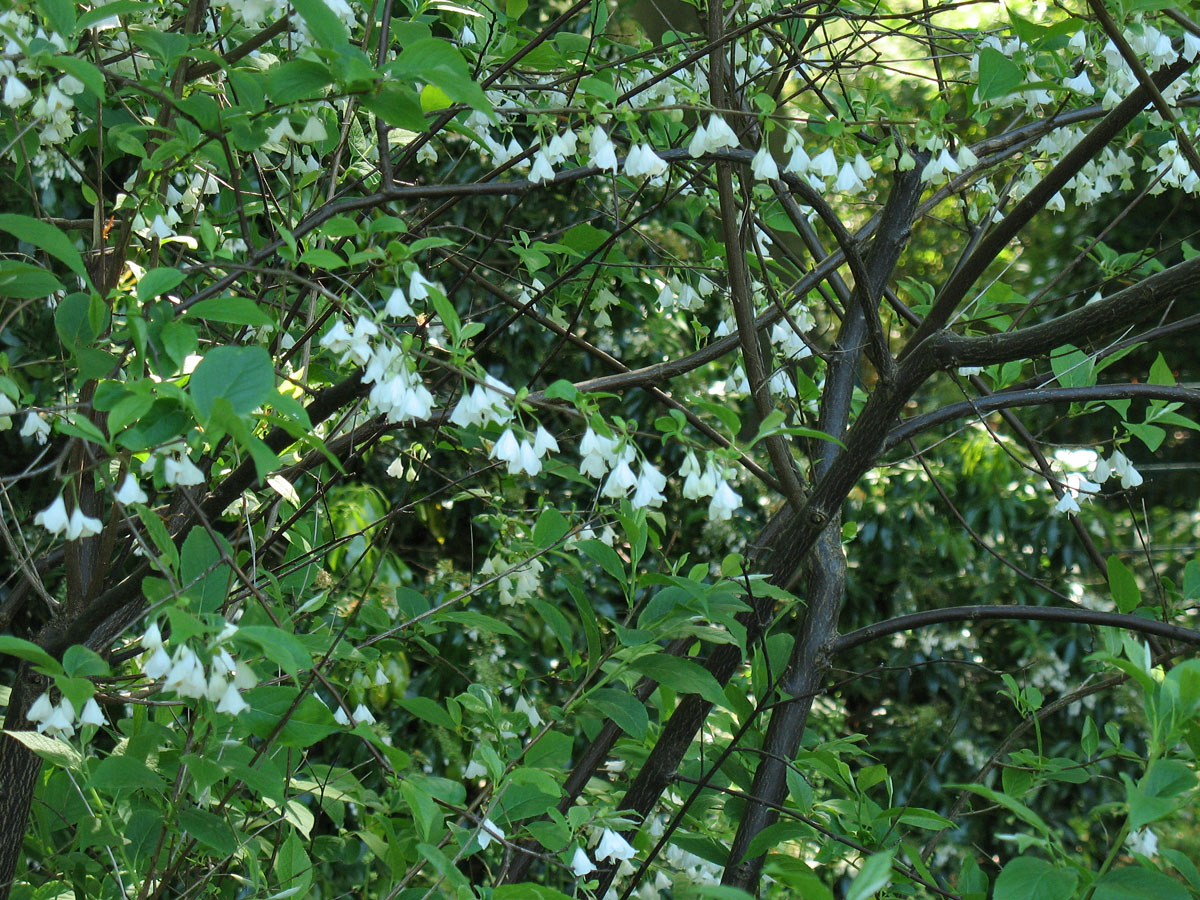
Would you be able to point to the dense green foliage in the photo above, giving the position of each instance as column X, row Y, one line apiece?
column 598, row 449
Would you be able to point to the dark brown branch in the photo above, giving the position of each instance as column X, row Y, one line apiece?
column 1070, row 615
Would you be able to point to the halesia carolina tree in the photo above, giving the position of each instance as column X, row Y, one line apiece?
column 483, row 450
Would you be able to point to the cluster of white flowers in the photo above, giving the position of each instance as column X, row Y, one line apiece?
column 516, row 583
column 58, row 719
column 709, row 481
column 601, row 454
column 716, row 135
column 74, row 525
column 484, row 403
column 183, row 672
column 523, row 455
column 791, row 345
column 177, row 466
column 360, row 714
column 643, row 162
column 1076, row 485
column 397, row 391
column 552, row 154
column 46, row 96
column 678, row 294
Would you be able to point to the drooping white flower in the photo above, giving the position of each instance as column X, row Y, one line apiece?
column 397, row 304
column 15, row 92
column 1123, row 469
column 179, row 469
column 91, row 714
column 599, row 454
column 41, row 709
column 36, row 427
column 313, row 132
column 1080, row 83
column 527, row 709
column 720, row 135
column 542, row 169
column 601, row 152
column 54, row 518
column 716, row 135
column 362, row 714
column 581, row 864
column 620, row 481
column 80, row 525
column 848, row 181
column 544, row 442
column 643, row 162
column 824, row 164
column 489, row 831
column 763, row 165
column 340, row 716
column 231, row 701
column 186, row 677
column 130, row 491
column 1143, row 841
column 419, row 285
column 724, row 501
column 648, row 490
column 1067, row 504
column 474, row 770
column 158, row 665
column 614, row 847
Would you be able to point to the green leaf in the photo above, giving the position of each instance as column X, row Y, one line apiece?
column 1160, row 372
column 22, row 281
column 874, row 876
column 1072, row 367
column 54, row 750
column 91, row 77
column 23, row 649
column 233, row 310
column 550, row 528
column 429, row 710
column 61, row 15
column 126, row 773
column 323, row 24
column 681, row 675
column 293, row 867
column 999, row 76
column 1123, row 585
column 605, row 556
column 80, row 661
column 46, row 237
column 73, row 321
column 1020, row 810
column 242, row 375
column 280, row 646
column 624, row 709
column 397, row 105
column 1029, row 878
column 160, row 538
column 1137, row 883
column 425, row 812
column 438, row 62
column 297, row 79
column 202, row 574
column 109, row 10
column 209, row 829
column 157, row 282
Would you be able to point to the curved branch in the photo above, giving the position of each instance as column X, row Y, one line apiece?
column 970, row 269
column 1039, row 397
column 1070, row 615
